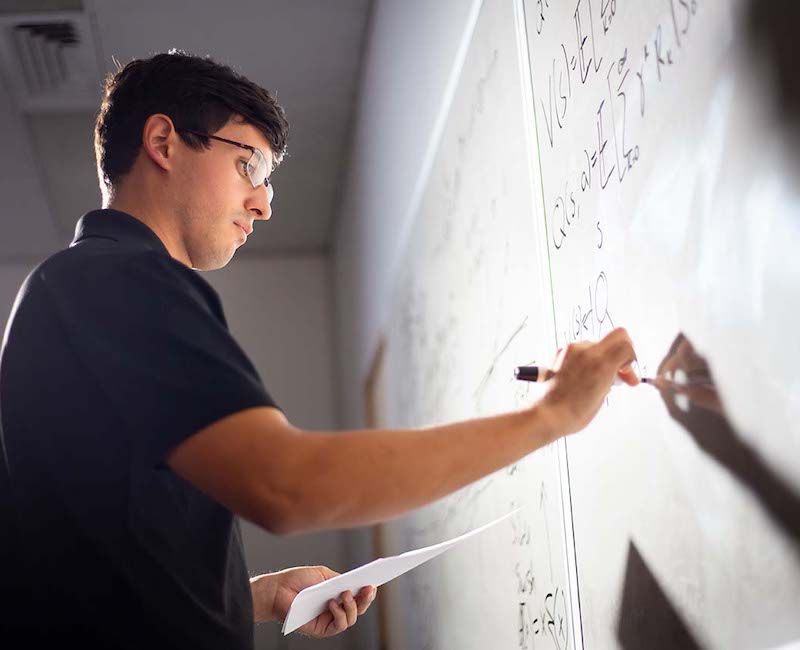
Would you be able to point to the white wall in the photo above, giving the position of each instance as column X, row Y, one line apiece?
column 410, row 57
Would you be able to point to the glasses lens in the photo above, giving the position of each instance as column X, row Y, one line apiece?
column 257, row 168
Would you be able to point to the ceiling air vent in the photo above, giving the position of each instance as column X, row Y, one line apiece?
column 50, row 63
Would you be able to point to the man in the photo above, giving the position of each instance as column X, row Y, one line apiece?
column 135, row 428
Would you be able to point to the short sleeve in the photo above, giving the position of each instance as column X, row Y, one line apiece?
column 156, row 341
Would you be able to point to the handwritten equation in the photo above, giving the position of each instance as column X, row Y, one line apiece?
column 611, row 149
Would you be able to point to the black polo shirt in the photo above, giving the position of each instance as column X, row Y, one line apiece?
column 115, row 353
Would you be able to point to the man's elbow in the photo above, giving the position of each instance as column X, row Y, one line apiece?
column 283, row 512
column 299, row 514
column 296, row 498
column 282, row 526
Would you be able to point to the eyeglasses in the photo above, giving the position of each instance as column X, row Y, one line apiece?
column 256, row 165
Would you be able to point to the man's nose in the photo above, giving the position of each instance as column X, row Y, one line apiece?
column 260, row 205
column 261, row 214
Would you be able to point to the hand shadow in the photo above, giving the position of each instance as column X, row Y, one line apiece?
column 687, row 388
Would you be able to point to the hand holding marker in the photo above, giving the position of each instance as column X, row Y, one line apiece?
column 584, row 372
column 541, row 374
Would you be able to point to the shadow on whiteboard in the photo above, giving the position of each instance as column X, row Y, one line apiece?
column 647, row 618
column 689, row 392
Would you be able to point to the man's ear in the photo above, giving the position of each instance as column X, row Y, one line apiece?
column 159, row 140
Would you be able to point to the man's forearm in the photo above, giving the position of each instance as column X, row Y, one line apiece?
column 355, row 478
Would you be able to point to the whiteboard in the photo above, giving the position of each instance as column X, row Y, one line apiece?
column 466, row 310
column 597, row 168
column 647, row 123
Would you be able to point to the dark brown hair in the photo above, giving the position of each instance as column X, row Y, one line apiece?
column 196, row 92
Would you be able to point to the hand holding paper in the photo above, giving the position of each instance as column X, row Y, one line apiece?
column 313, row 601
column 274, row 593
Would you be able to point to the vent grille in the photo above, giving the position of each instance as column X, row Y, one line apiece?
column 47, row 54
column 51, row 63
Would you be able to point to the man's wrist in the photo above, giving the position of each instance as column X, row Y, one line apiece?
column 546, row 423
column 263, row 589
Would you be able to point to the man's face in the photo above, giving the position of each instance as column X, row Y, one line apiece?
column 218, row 204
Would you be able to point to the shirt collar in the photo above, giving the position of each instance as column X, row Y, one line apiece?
column 119, row 226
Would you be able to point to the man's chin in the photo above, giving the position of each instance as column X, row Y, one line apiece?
column 215, row 263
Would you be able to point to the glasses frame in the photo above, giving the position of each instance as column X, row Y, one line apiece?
column 250, row 148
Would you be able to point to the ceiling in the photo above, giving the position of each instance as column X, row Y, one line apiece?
column 307, row 52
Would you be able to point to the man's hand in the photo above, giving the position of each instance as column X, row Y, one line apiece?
column 585, row 373
column 273, row 593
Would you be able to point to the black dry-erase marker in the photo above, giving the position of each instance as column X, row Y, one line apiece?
column 541, row 374
column 533, row 373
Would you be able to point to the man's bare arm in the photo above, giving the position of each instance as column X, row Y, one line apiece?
column 288, row 480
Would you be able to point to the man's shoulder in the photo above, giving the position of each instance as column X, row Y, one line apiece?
column 100, row 266
column 95, row 255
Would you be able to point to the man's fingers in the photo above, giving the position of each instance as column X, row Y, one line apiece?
column 364, row 598
column 350, row 608
column 615, row 341
column 339, row 616
column 617, row 348
column 346, row 613
column 628, row 375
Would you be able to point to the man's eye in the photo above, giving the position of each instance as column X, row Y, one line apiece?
column 244, row 167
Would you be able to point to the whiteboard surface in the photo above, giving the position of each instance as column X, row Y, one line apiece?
column 466, row 311
column 639, row 180
column 647, row 163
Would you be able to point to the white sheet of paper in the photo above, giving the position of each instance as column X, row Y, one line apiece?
column 313, row 601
